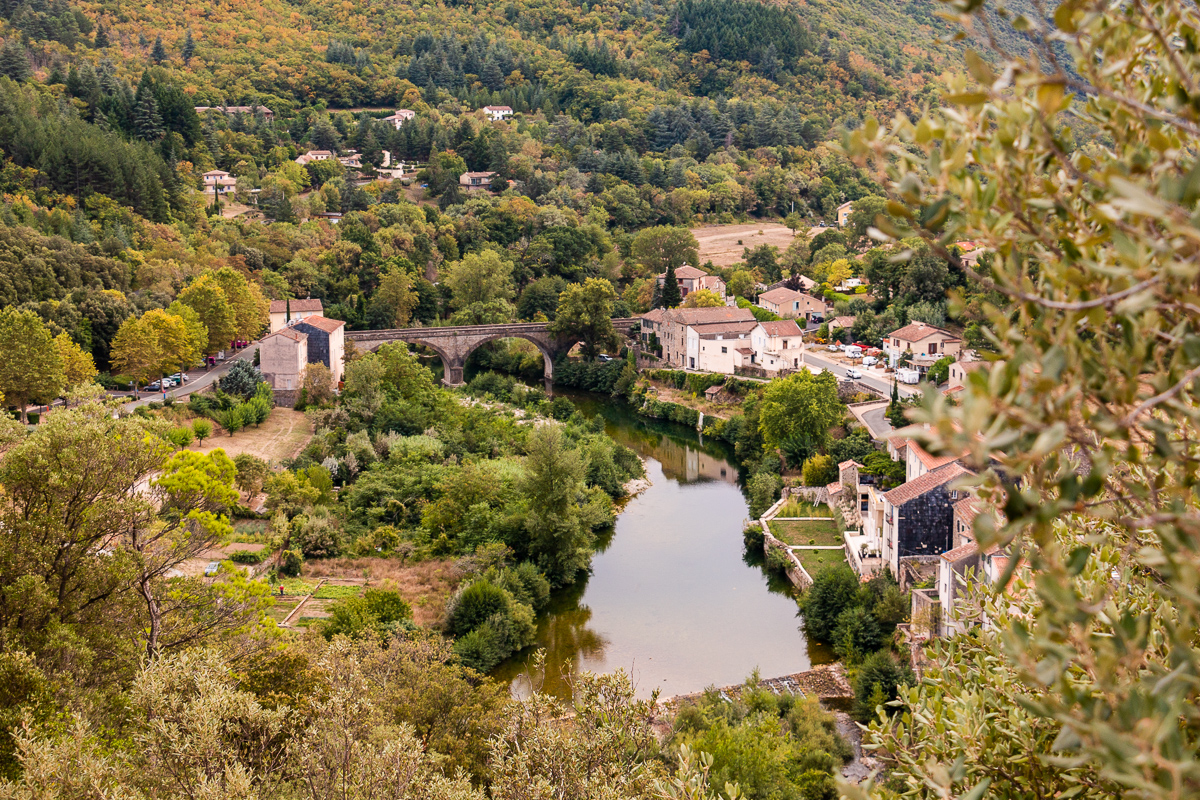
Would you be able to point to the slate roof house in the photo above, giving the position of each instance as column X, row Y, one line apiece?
column 326, row 342
column 918, row 516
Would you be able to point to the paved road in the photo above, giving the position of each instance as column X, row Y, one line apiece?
column 199, row 379
column 885, row 386
column 877, row 424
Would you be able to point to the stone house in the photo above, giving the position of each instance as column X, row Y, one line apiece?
column 691, row 279
column 326, row 342
column 778, row 345
column 314, row 155
column 497, row 113
column 286, row 311
column 959, row 371
column 282, row 356
column 918, row 516
column 723, row 327
column 790, row 304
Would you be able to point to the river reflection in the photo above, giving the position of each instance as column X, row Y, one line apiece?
column 673, row 597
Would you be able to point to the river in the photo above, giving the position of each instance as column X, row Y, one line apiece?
column 673, row 597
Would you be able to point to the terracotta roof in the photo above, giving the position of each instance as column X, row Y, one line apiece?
column 926, row 483
column 478, row 174
column 655, row 315
column 780, row 295
column 746, row 351
column 309, row 304
column 707, row 316
column 784, row 327
column 834, row 488
column 497, row 108
column 844, row 322
column 711, row 330
column 967, row 509
column 931, row 462
column 969, row 366
column 319, row 153
column 288, row 333
column 845, row 464
column 960, row 552
column 952, row 390
column 686, row 272
column 215, row 172
column 917, row 331
column 321, row 323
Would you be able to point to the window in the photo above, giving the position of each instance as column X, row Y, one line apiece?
column 933, row 348
column 724, row 349
column 785, row 344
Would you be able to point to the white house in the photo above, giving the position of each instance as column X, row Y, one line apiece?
column 497, row 113
column 219, row 182
column 284, row 312
column 705, row 338
column 314, row 155
column 778, row 345
column 476, row 181
column 401, row 116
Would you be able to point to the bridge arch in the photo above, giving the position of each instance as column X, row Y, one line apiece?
column 549, row 352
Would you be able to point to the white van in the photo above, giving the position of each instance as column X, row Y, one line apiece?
column 910, row 376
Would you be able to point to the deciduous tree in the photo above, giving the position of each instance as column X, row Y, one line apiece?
column 211, row 304
column 585, row 314
column 78, row 367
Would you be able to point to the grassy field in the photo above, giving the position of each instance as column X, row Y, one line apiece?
column 813, row 532
column 815, row 560
column 426, row 586
column 800, row 508
column 283, row 435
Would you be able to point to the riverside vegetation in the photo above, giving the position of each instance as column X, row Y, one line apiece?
column 1077, row 177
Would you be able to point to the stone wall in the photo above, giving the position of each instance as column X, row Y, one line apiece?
column 286, row 397
column 927, row 524
column 917, row 569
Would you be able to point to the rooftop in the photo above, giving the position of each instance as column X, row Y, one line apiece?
column 931, row 462
column 926, row 483
column 311, row 304
column 917, row 331
column 705, row 316
column 960, row 552
column 288, row 333
column 711, row 330
column 322, row 323
column 686, row 272
column 784, row 327
column 779, row 295
column 655, row 314
column 478, row 174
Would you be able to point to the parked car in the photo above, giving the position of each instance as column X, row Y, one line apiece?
column 604, row 358
column 180, row 377
column 853, row 373
column 153, row 387
column 212, row 569
column 833, row 348
column 870, row 361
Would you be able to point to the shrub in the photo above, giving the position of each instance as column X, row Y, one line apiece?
column 877, row 682
column 180, row 437
column 245, row 557
column 819, row 470
column 377, row 611
column 230, row 419
column 241, row 380
column 293, row 561
column 562, row 408
column 317, row 534
column 764, row 488
column 202, row 428
column 834, row 589
column 473, row 605
column 856, row 634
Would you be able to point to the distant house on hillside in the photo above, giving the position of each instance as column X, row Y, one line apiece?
column 263, row 111
column 286, row 311
column 218, row 182
column 314, row 155
column 497, row 113
column 476, row 181
column 843, row 214
column 920, row 338
column 791, row 304
column 401, row 116
column 691, row 279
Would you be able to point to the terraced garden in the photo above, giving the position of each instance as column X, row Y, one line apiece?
column 806, row 532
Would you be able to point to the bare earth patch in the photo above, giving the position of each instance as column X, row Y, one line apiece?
column 719, row 243
column 282, row 436
column 426, row 586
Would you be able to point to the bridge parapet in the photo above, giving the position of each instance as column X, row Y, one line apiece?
column 455, row 343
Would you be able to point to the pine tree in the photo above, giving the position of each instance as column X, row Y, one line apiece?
column 101, row 37
column 158, row 53
column 14, row 62
column 671, row 296
column 146, row 119
column 189, row 47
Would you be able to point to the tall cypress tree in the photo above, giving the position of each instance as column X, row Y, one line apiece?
column 671, row 296
column 158, row 53
column 189, row 47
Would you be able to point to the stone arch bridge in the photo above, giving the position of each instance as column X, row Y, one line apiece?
column 456, row 343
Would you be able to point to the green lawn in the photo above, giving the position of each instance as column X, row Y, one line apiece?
column 801, row 508
column 815, row 560
column 331, row 591
column 808, row 532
